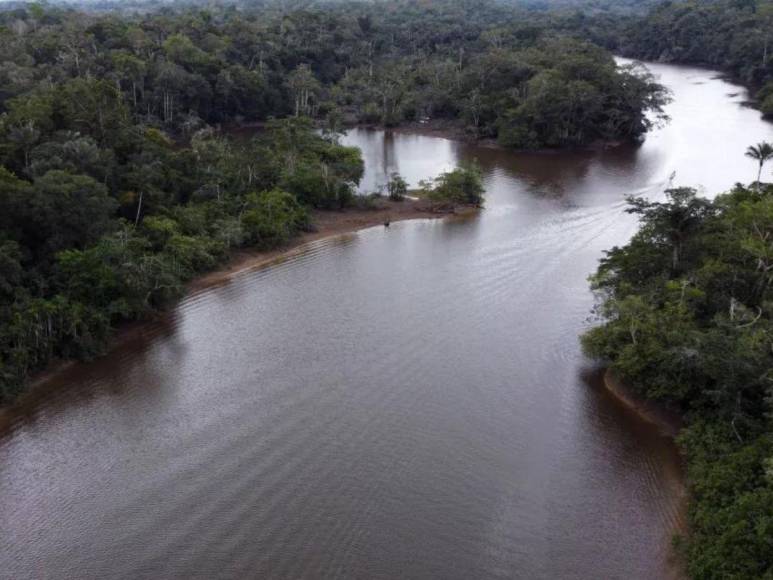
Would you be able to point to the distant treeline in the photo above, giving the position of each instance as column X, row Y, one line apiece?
column 735, row 36
column 500, row 72
column 589, row 7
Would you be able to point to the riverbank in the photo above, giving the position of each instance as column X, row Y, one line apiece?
column 668, row 422
column 326, row 224
column 722, row 74
column 453, row 130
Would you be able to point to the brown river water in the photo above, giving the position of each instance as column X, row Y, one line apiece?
column 408, row 402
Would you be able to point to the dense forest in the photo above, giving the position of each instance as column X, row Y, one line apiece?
column 688, row 310
column 100, row 230
column 500, row 72
column 590, row 7
column 118, row 178
column 735, row 36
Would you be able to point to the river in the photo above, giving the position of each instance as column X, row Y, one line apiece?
column 408, row 402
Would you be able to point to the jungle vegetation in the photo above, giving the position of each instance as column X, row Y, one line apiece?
column 687, row 307
column 119, row 182
column 122, row 174
column 500, row 72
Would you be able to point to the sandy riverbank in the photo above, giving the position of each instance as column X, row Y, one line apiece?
column 326, row 224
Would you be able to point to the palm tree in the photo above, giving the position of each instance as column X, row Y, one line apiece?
column 762, row 152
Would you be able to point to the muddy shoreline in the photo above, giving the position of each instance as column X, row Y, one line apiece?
column 449, row 129
column 668, row 422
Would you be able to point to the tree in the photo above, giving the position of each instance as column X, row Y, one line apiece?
column 761, row 153
column 181, row 50
column 463, row 185
column 672, row 222
column 69, row 211
column 93, row 107
column 397, row 187
column 132, row 70
column 73, row 153
column 25, row 137
column 272, row 217
column 303, row 86
column 14, row 204
column 241, row 92
column 10, row 268
column 211, row 155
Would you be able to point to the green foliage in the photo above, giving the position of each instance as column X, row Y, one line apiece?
column 572, row 101
column 496, row 70
column 688, row 320
column 732, row 503
column 312, row 183
column 98, row 234
column 761, row 153
column 463, row 185
column 272, row 217
column 735, row 36
column 397, row 187
column 317, row 171
column 10, row 268
column 553, row 92
column 68, row 210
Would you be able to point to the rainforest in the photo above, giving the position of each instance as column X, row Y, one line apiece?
column 354, row 243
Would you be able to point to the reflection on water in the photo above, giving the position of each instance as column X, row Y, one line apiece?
column 406, row 402
column 415, row 157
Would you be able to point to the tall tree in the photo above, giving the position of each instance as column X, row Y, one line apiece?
column 761, row 153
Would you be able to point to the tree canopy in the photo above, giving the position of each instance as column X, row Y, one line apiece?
column 687, row 307
column 735, row 36
column 497, row 71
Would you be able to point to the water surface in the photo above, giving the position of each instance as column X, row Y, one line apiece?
column 407, row 402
